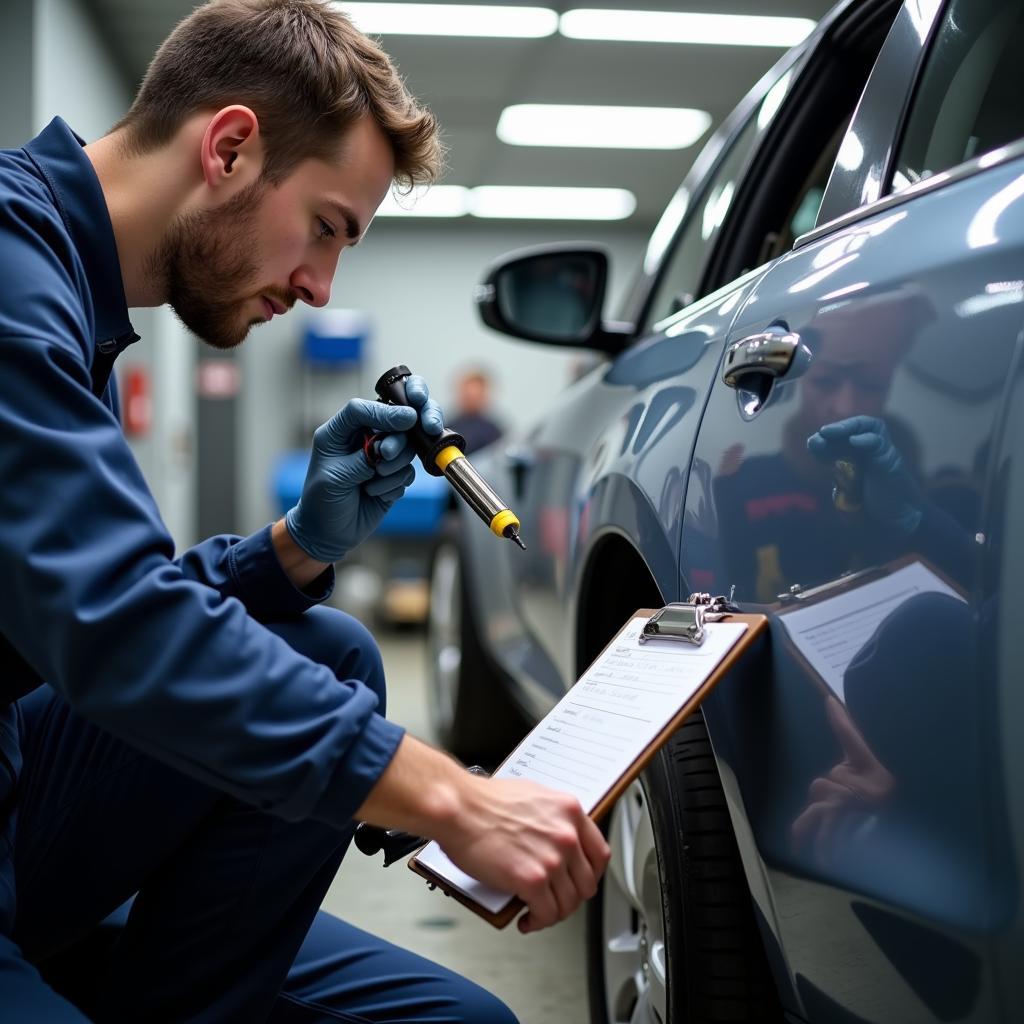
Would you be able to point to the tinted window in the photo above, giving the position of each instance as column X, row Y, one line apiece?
column 969, row 99
column 680, row 280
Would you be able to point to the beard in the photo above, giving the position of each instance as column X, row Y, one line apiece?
column 203, row 264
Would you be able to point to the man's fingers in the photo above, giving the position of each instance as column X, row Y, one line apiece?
column 418, row 394
column 389, row 448
column 543, row 909
column 854, row 745
column 584, row 875
column 391, row 485
column 870, row 443
column 852, row 425
column 391, row 464
column 358, row 415
column 595, row 847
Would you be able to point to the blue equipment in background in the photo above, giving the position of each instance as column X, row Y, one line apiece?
column 335, row 339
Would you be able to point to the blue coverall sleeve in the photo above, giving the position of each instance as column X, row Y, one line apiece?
column 139, row 644
column 248, row 568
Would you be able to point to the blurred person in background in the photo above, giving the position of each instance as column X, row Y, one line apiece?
column 472, row 418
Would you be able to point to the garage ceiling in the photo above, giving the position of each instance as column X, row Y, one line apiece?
column 467, row 82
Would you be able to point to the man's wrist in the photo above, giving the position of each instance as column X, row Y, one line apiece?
column 424, row 791
column 299, row 567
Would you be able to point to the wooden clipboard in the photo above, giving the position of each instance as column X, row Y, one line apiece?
column 756, row 628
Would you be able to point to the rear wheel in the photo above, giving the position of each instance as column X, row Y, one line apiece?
column 471, row 711
column 671, row 934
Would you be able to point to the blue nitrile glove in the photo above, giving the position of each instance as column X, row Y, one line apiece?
column 344, row 497
column 891, row 495
column 418, row 393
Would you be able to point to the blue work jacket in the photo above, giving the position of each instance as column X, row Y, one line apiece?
column 167, row 653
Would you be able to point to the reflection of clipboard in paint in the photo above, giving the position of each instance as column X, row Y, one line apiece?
column 605, row 730
column 830, row 623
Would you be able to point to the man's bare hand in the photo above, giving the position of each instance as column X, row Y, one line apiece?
column 533, row 841
column 514, row 835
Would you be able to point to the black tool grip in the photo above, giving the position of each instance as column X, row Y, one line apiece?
column 371, row 839
column 390, row 388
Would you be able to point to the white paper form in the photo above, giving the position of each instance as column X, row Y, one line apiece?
column 831, row 631
column 586, row 743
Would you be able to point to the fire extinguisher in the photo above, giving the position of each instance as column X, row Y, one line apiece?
column 137, row 403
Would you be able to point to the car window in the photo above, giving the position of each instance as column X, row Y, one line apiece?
column 680, row 279
column 968, row 102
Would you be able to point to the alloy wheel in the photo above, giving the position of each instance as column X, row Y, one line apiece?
column 633, row 925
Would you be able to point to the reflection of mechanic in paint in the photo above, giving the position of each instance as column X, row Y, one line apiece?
column 917, row 719
column 910, row 765
column 780, row 525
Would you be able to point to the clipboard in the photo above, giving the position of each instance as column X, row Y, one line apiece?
column 861, row 600
column 735, row 644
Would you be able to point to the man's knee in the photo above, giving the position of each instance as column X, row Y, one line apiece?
column 335, row 639
column 479, row 1007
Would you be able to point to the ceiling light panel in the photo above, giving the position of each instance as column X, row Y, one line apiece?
column 551, row 203
column 684, row 27
column 549, row 124
column 451, row 20
column 427, row 201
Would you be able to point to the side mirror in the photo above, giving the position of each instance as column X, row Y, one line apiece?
column 550, row 294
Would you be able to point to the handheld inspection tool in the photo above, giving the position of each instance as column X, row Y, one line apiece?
column 444, row 454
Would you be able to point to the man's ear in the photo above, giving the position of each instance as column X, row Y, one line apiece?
column 232, row 150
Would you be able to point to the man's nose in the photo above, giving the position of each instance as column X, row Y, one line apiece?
column 313, row 283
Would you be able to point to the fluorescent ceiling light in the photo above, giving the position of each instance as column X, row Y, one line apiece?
column 521, row 203
column 544, row 203
column 681, row 27
column 451, row 20
column 550, row 124
column 432, row 201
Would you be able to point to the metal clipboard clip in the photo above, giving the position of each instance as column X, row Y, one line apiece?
column 683, row 621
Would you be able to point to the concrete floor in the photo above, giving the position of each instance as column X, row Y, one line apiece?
column 541, row 976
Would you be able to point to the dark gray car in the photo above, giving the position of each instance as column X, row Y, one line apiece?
column 813, row 397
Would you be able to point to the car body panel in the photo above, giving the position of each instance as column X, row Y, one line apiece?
column 587, row 490
column 610, row 459
column 896, row 901
column 926, row 344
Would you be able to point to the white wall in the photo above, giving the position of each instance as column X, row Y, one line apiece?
column 74, row 75
column 416, row 281
column 16, row 30
column 73, row 72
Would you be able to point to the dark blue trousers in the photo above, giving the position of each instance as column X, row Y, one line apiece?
column 224, row 925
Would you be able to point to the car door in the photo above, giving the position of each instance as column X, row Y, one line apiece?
column 657, row 385
column 847, row 484
column 613, row 456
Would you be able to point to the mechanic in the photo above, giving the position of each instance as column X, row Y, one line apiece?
column 198, row 732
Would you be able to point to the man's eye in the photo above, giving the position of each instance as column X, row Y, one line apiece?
column 325, row 229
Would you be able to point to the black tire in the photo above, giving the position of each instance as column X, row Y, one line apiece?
column 699, row 955
column 470, row 708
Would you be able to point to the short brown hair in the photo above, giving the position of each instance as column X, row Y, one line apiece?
column 302, row 67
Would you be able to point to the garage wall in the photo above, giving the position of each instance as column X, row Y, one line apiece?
column 73, row 73
column 16, row 27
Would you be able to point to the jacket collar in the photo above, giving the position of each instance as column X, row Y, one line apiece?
column 59, row 155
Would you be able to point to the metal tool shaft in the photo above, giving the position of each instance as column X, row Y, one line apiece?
column 474, row 490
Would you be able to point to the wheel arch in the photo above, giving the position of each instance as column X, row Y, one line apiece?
column 605, row 599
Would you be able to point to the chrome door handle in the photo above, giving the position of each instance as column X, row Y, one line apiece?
column 768, row 353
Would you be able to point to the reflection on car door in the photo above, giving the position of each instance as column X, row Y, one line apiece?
column 864, row 766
